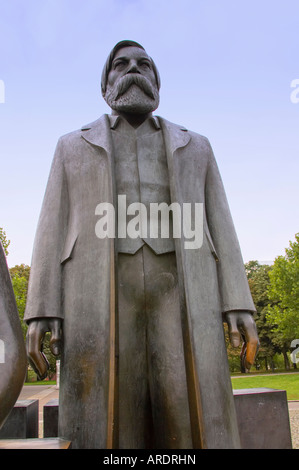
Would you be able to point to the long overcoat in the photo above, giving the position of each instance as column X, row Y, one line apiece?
column 73, row 277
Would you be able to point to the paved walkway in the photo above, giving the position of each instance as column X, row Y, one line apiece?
column 293, row 405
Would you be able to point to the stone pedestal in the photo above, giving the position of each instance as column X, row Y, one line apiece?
column 35, row 444
column 22, row 422
column 263, row 418
column 50, row 414
column 262, row 414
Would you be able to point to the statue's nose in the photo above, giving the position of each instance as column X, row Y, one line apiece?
column 133, row 67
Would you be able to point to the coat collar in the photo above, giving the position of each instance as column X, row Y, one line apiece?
column 97, row 133
column 115, row 120
column 175, row 136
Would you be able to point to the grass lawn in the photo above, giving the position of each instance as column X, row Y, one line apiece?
column 41, row 382
column 287, row 382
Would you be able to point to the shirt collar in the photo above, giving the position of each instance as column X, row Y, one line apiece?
column 115, row 119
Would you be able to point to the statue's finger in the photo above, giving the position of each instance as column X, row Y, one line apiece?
column 55, row 341
column 36, row 358
column 252, row 343
column 234, row 334
column 251, row 352
column 39, row 364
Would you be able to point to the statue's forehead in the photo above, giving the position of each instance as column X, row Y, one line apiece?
column 131, row 51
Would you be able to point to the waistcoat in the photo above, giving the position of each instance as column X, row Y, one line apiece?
column 141, row 174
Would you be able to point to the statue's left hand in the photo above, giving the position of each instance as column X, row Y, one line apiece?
column 241, row 324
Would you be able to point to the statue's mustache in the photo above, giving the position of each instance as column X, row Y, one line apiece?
column 134, row 79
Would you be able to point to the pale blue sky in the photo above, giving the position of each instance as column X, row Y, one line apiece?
column 226, row 68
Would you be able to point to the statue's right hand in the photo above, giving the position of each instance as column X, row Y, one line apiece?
column 34, row 343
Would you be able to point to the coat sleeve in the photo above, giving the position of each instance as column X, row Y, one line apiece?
column 44, row 290
column 234, row 289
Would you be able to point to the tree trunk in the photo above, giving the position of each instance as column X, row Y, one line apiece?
column 272, row 364
column 286, row 360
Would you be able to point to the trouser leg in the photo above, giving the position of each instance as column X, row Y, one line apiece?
column 166, row 364
column 133, row 383
column 152, row 378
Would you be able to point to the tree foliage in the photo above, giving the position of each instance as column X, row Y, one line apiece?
column 283, row 313
column 19, row 278
column 5, row 242
column 259, row 281
column 251, row 268
column 21, row 270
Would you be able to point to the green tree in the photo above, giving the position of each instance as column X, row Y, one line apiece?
column 251, row 268
column 283, row 291
column 20, row 287
column 21, row 270
column 20, row 277
column 4, row 241
column 258, row 280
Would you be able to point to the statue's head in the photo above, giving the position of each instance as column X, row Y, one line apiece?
column 130, row 79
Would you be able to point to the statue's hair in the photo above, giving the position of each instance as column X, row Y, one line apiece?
column 108, row 63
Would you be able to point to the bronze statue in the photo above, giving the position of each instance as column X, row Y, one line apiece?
column 138, row 320
column 13, row 360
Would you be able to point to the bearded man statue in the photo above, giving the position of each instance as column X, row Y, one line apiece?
column 138, row 320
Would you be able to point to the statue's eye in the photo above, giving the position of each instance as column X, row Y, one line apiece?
column 119, row 64
column 145, row 65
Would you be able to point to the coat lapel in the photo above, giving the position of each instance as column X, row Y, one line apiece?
column 98, row 133
column 175, row 136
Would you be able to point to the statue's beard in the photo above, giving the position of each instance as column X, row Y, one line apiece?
column 132, row 93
